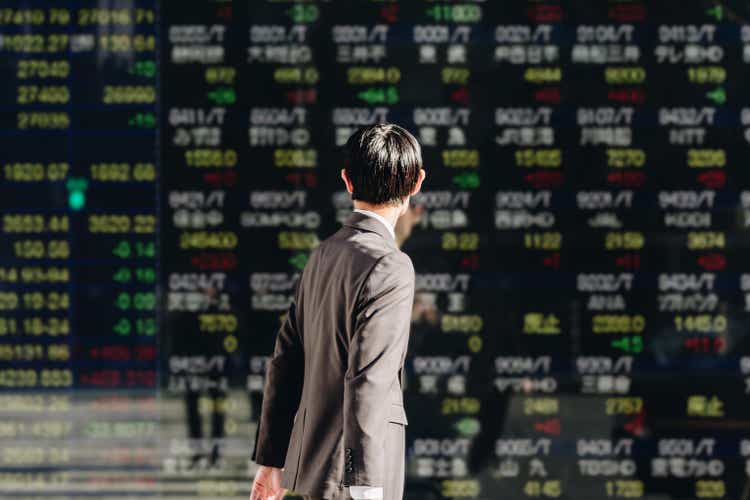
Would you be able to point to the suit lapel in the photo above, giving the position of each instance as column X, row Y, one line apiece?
column 366, row 223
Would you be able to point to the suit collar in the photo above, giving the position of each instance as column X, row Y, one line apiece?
column 389, row 226
column 366, row 223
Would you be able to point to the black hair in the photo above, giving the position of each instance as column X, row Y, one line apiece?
column 383, row 163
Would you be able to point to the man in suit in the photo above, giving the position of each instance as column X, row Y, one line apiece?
column 332, row 421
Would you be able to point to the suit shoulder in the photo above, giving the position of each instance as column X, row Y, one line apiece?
column 365, row 244
column 348, row 256
column 397, row 264
column 365, row 254
column 404, row 260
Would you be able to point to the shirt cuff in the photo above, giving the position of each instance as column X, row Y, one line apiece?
column 366, row 493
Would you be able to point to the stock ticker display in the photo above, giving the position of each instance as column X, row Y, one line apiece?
column 581, row 317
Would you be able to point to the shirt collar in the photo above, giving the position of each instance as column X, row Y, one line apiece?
column 380, row 218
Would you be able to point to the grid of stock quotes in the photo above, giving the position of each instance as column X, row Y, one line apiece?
column 580, row 325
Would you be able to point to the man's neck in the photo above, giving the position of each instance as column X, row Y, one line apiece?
column 388, row 212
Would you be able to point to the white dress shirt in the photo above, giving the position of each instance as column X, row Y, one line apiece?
column 365, row 493
column 380, row 218
column 370, row 492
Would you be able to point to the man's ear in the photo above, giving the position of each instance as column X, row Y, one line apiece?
column 420, row 179
column 347, row 182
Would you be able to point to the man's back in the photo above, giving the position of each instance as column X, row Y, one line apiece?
column 340, row 366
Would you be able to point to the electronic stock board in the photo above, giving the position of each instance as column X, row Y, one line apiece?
column 580, row 326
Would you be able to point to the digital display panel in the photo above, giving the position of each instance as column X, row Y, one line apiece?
column 581, row 316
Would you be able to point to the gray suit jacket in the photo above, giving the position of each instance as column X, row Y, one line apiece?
column 333, row 412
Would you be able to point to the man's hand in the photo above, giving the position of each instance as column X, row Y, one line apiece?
column 267, row 484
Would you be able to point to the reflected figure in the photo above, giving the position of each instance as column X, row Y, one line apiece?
column 202, row 457
column 406, row 223
column 205, row 374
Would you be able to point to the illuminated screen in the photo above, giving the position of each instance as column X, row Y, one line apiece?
column 580, row 325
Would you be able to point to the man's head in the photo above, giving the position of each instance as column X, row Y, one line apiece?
column 383, row 166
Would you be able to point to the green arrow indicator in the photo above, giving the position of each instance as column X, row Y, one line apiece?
column 122, row 275
column 467, row 180
column 123, row 301
column 467, row 427
column 718, row 95
column 299, row 260
column 303, row 13
column 629, row 344
column 717, row 12
column 122, row 327
column 122, row 250
column 373, row 95
column 143, row 120
column 223, row 95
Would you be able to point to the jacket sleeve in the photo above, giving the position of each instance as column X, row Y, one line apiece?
column 282, row 390
column 382, row 319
